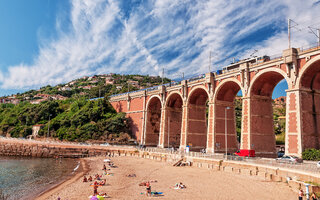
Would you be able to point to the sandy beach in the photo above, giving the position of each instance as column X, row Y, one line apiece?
column 200, row 183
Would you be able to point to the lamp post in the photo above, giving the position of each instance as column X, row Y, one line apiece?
column 142, row 130
column 168, row 132
column 49, row 126
column 226, row 130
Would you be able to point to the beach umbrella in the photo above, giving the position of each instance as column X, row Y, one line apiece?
column 100, row 197
column 94, row 198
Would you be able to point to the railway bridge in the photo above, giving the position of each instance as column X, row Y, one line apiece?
column 199, row 112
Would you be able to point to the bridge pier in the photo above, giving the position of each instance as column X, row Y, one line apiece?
column 225, row 126
column 210, row 132
column 261, row 129
column 303, row 119
column 184, row 125
column 162, row 128
column 245, row 124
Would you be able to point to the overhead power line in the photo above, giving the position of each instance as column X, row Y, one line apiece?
column 300, row 28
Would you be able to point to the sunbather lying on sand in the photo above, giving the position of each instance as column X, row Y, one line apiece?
column 131, row 175
column 179, row 186
column 104, row 195
column 103, row 182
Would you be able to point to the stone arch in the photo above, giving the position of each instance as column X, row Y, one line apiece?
column 151, row 97
column 193, row 89
column 233, row 81
column 224, row 97
column 173, row 93
column 173, row 120
column 261, row 136
column 153, row 119
column 196, row 117
column 309, row 72
column 309, row 85
column 279, row 75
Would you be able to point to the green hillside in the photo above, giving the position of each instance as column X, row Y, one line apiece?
column 95, row 86
column 75, row 118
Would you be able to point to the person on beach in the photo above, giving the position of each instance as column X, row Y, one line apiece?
column 90, row 178
column 85, row 179
column 104, row 195
column 179, row 186
column 314, row 196
column 104, row 167
column 300, row 194
column 95, row 190
column 148, row 188
column 103, row 182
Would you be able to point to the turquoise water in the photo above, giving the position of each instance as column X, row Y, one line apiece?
column 24, row 178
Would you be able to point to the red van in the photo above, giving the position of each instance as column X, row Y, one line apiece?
column 246, row 153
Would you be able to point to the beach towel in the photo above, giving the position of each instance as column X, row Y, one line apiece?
column 156, row 193
column 94, row 198
column 100, row 197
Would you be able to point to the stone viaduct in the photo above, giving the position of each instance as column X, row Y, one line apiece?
column 199, row 112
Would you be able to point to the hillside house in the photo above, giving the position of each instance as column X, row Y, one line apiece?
column 138, row 77
column 109, row 80
column 59, row 97
column 65, row 88
column 133, row 83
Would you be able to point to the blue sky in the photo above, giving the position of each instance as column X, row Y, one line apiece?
column 50, row 41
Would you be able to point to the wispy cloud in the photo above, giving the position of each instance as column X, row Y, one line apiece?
column 144, row 37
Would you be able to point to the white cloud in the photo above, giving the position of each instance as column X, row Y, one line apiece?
column 176, row 35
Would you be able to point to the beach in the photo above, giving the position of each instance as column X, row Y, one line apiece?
column 200, row 183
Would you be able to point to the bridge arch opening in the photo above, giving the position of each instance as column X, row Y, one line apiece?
column 153, row 118
column 173, row 120
column 197, row 120
column 227, row 115
column 310, row 106
column 265, row 116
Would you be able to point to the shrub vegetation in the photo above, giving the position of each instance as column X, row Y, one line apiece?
column 311, row 154
column 71, row 119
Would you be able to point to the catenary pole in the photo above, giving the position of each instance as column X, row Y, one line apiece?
column 289, row 37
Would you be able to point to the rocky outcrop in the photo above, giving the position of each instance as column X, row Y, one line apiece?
column 36, row 149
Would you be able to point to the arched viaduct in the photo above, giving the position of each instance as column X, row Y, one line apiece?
column 199, row 112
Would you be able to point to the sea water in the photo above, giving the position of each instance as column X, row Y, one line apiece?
column 25, row 178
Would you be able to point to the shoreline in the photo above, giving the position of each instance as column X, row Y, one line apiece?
column 83, row 169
